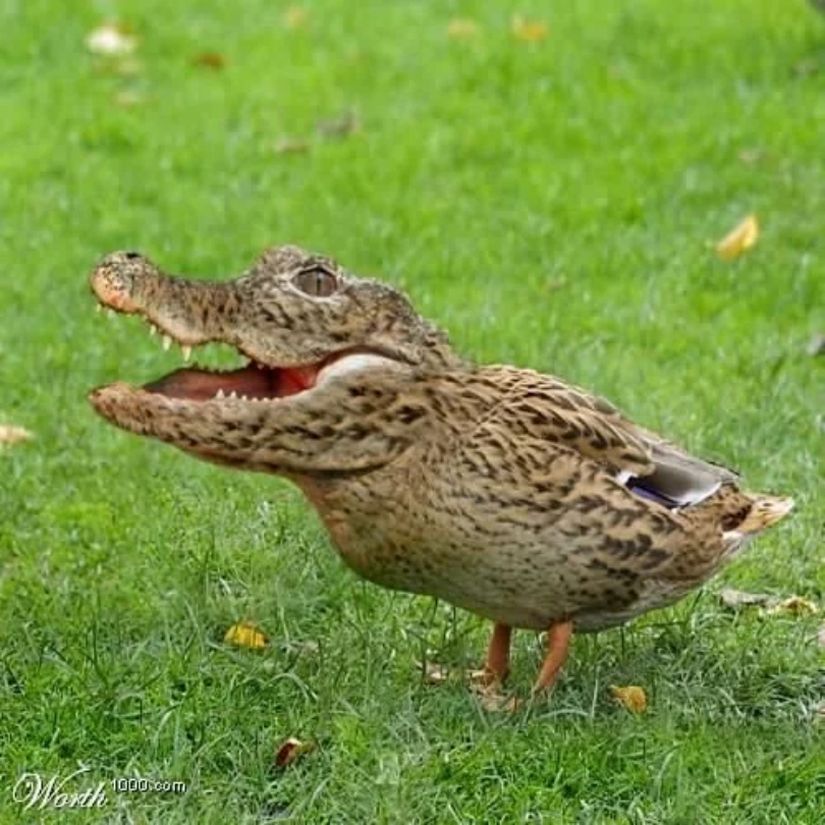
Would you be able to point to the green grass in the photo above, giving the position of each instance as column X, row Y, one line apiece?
column 553, row 205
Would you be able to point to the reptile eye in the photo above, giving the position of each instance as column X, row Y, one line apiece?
column 316, row 281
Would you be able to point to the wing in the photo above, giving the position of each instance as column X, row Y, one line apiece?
column 545, row 408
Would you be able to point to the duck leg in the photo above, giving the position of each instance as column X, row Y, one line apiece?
column 558, row 646
column 498, row 653
column 497, row 665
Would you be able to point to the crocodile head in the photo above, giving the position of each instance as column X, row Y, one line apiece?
column 309, row 332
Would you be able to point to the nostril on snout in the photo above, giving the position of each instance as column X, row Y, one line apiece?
column 130, row 256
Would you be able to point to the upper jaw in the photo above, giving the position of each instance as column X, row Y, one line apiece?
column 189, row 313
column 129, row 284
column 193, row 313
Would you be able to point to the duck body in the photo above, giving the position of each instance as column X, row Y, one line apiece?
column 504, row 491
column 516, row 503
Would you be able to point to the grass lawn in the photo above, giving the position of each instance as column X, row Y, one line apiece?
column 553, row 204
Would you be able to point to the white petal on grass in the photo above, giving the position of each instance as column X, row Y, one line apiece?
column 110, row 40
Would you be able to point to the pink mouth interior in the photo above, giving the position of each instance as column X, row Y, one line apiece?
column 251, row 381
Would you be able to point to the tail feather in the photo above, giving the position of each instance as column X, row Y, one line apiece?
column 764, row 511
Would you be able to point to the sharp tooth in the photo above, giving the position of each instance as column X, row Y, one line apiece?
column 167, row 342
column 244, row 398
column 187, row 353
column 233, row 394
column 219, row 394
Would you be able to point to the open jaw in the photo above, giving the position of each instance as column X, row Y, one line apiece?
column 254, row 382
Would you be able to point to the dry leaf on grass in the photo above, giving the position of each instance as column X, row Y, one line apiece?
column 246, row 634
column 344, row 124
column 739, row 598
column 493, row 700
column 209, row 60
column 741, row 238
column 793, row 606
column 630, row 697
column 462, row 28
column 291, row 146
column 433, row 673
column 290, row 750
column 491, row 696
column 295, row 17
column 820, row 636
column 528, row 31
column 111, row 40
column 9, row 434
column 771, row 605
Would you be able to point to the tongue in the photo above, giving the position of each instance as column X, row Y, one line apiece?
column 202, row 385
column 296, row 379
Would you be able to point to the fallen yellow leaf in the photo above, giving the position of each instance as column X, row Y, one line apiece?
column 630, row 697
column 529, row 31
column 462, row 28
column 290, row 750
column 111, row 40
column 741, row 238
column 795, row 606
column 9, row 434
column 245, row 634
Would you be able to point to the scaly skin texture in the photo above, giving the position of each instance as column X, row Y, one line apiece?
column 501, row 490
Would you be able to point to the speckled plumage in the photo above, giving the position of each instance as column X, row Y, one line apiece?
column 501, row 490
